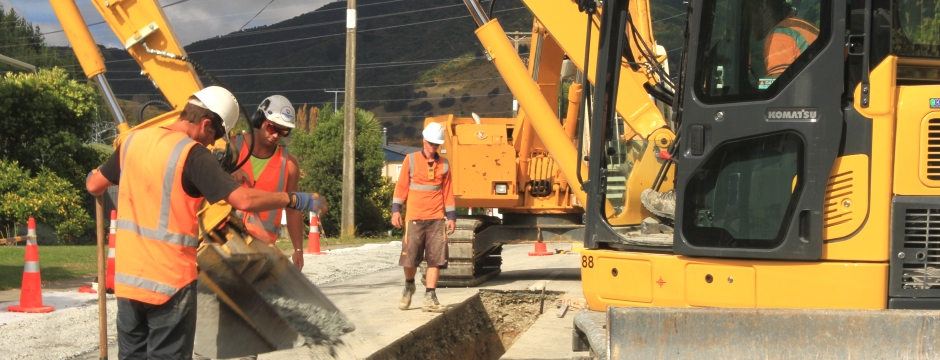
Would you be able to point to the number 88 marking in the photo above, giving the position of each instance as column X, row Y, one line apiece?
column 587, row 262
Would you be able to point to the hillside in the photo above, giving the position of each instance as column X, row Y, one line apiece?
column 415, row 58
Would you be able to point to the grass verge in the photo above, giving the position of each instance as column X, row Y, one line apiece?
column 75, row 261
column 55, row 263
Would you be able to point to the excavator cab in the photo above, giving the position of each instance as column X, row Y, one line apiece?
column 806, row 188
column 805, row 157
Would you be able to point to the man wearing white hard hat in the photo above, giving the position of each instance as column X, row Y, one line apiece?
column 271, row 168
column 165, row 173
column 426, row 189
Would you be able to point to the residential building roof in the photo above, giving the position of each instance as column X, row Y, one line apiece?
column 398, row 152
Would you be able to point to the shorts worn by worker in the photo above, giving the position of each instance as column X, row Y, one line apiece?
column 166, row 331
column 424, row 237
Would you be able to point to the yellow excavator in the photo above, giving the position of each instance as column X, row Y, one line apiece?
column 793, row 194
column 251, row 299
column 527, row 166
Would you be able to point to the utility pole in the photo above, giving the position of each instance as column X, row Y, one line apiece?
column 335, row 98
column 348, row 224
column 516, row 37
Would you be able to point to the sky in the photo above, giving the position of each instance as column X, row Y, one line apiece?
column 192, row 20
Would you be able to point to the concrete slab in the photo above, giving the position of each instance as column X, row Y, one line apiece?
column 371, row 303
column 548, row 338
column 13, row 295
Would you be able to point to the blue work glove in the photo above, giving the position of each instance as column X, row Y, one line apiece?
column 308, row 202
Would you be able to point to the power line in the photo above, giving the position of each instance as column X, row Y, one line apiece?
column 357, row 87
column 330, row 35
column 317, row 37
column 256, row 15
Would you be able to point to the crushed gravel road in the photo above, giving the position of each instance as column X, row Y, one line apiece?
column 73, row 332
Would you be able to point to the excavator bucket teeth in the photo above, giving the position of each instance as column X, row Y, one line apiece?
column 252, row 300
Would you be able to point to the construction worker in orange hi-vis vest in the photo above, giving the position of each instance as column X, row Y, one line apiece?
column 426, row 190
column 785, row 36
column 164, row 174
column 271, row 168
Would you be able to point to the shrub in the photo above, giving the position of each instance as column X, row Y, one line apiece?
column 493, row 92
column 47, row 197
column 421, row 107
column 44, row 120
column 447, row 102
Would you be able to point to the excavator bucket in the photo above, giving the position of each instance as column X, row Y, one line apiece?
column 252, row 300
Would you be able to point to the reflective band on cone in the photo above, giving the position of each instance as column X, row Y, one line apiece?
column 31, row 292
column 313, row 242
column 112, row 238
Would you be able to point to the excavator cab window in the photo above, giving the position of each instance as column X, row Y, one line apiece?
column 751, row 45
column 744, row 196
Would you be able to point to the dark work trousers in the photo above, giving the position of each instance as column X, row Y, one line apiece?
column 165, row 331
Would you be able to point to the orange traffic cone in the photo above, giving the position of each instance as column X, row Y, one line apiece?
column 31, row 292
column 313, row 242
column 112, row 238
column 540, row 250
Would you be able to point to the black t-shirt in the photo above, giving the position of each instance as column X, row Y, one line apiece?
column 202, row 175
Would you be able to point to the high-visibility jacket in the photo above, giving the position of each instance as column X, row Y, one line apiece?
column 157, row 227
column 790, row 37
column 264, row 225
column 425, row 189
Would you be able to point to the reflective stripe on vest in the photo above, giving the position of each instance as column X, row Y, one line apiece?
column 801, row 42
column 270, row 220
column 157, row 224
column 145, row 284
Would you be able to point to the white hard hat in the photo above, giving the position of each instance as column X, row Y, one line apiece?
column 220, row 101
column 434, row 133
column 278, row 110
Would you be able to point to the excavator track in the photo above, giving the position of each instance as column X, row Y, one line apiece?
column 469, row 263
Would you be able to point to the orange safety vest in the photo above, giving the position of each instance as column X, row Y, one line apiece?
column 790, row 37
column 264, row 225
column 157, row 226
column 426, row 189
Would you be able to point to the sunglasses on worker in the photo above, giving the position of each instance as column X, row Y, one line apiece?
column 217, row 129
column 271, row 129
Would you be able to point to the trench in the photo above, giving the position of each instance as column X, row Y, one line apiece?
column 482, row 327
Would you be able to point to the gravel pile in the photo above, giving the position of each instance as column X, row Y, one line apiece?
column 73, row 333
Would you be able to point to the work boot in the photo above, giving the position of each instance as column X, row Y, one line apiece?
column 430, row 303
column 405, row 300
column 661, row 204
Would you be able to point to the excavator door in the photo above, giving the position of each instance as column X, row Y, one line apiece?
column 761, row 127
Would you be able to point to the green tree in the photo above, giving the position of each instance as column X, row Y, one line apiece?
column 45, row 120
column 46, row 197
column 21, row 40
column 320, row 154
